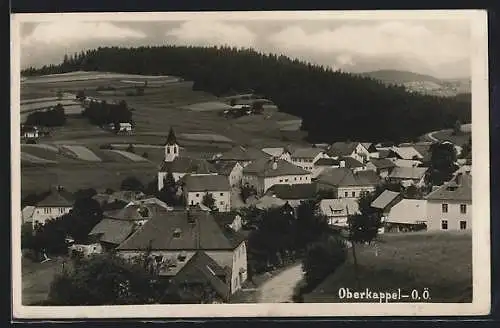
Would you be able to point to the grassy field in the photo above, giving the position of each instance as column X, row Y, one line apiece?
column 440, row 262
column 36, row 279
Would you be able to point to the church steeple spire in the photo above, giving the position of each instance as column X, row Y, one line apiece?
column 171, row 139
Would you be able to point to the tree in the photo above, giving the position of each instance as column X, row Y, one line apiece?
column 80, row 95
column 247, row 191
column 311, row 225
column 59, row 94
column 168, row 193
column 442, row 166
column 457, row 128
column 466, row 149
column 106, row 280
column 322, row 259
column 209, row 201
column 130, row 148
column 132, row 184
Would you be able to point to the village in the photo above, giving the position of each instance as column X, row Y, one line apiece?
column 195, row 224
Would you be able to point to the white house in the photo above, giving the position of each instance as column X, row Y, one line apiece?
column 449, row 207
column 232, row 170
column 175, row 238
column 30, row 132
column 407, row 176
column 55, row 204
column 265, row 173
column 279, row 152
column 382, row 166
column 306, row 157
column 337, row 211
column 344, row 183
column 406, row 215
column 355, row 150
column 196, row 186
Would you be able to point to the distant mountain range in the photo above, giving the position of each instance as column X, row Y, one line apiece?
column 422, row 83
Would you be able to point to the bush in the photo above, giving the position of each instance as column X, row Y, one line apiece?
column 145, row 155
column 132, row 184
column 130, row 148
column 105, row 146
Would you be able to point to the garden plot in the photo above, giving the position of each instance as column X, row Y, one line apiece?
column 109, row 156
column 207, row 106
column 82, row 153
column 31, row 159
column 131, row 156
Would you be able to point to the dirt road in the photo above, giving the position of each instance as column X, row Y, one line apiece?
column 279, row 289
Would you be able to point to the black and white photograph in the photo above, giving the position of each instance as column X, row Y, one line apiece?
column 249, row 164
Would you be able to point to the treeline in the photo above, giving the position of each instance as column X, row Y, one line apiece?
column 49, row 118
column 102, row 113
column 333, row 105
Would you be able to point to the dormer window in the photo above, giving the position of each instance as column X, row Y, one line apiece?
column 177, row 233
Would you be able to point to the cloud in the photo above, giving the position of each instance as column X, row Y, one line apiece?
column 210, row 33
column 72, row 32
column 408, row 40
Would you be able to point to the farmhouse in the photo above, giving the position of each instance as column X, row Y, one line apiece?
column 407, row 176
column 352, row 163
column 449, row 207
column 406, row 215
column 294, row 194
column 306, row 157
column 346, row 184
column 232, row 170
column 56, row 203
column 264, row 173
column 382, row 166
column 279, row 152
column 372, row 150
column 337, row 211
column 122, row 128
column 348, row 149
column 243, row 155
column 175, row 237
column 405, row 153
column 29, row 132
column 195, row 187
column 110, row 233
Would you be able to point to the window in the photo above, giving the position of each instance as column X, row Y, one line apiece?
column 181, row 257
column 197, row 195
column 463, row 208
column 346, row 194
column 221, row 202
column 46, row 210
column 175, row 150
column 353, row 194
column 281, row 180
column 158, row 258
column 192, row 202
column 463, row 225
column 222, row 194
column 286, row 180
column 444, row 208
column 444, row 225
column 300, row 178
column 177, row 233
column 168, row 150
column 295, row 179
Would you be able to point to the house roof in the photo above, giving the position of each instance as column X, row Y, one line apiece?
column 113, row 231
column 225, row 167
column 57, row 198
column 351, row 163
column 150, row 201
column 201, row 269
column 171, row 138
column 126, row 195
column 339, row 207
column 407, row 152
column 382, row 163
column 408, row 211
column 245, row 154
column 459, row 189
column 341, row 148
column 136, row 212
column 27, row 213
column 344, row 177
column 409, row 173
column 326, row 162
column 384, row 199
column 383, row 153
column 405, row 162
column 264, row 168
column 267, row 202
column 294, row 191
column 367, row 144
column 306, row 152
column 199, row 230
column 276, row 152
column 209, row 182
column 183, row 164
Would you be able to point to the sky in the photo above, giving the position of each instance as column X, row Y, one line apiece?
column 438, row 47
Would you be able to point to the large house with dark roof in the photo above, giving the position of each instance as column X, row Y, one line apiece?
column 407, row 176
column 346, row 184
column 180, row 165
column 56, row 203
column 307, row 156
column 173, row 239
column 196, row 186
column 449, row 207
column 355, row 150
column 382, row 166
column 241, row 154
column 265, row 173
column 294, row 194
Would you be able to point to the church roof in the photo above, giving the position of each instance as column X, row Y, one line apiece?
column 171, row 139
column 183, row 164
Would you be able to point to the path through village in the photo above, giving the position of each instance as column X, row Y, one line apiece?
column 279, row 289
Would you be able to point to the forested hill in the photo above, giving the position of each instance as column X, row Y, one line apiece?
column 333, row 105
column 400, row 77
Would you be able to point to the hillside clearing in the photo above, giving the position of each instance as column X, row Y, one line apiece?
column 82, row 153
column 440, row 262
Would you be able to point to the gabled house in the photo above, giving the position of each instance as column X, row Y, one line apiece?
column 405, row 152
column 306, row 157
column 355, row 150
column 407, row 176
column 324, row 163
column 352, row 163
column 232, row 170
column 382, row 166
column 337, row 211
column 406, row 215
column 243, row 155
column 346, row 184
column 293, row 194
column 385, row 201
column 449, row 207
column 174, row 238
column 283, row 153
column 56, row 203
column 29, row 132
column 371, row 148
column 265, row 173
column 195, row 187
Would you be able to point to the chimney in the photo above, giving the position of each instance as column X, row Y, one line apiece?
column 342, row 163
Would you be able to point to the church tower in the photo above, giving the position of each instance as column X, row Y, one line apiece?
column 171, row 147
